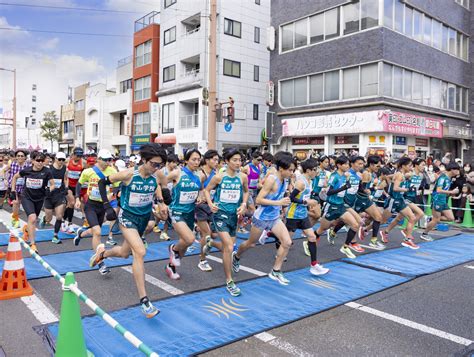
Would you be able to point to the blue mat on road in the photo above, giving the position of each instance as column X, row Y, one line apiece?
column 431, row 257
column 298, row 234
column 45, row 235
column 192, row 323
column 79, row 261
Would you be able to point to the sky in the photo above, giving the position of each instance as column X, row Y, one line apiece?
column 53, row 60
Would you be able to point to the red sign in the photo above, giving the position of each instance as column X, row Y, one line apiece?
column 318, row 140
column 338, row 140
column 411, row 124
column 421, row 142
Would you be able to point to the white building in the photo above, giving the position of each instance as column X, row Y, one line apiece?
column 243, row 71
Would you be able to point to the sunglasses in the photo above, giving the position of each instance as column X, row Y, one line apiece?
column 106, row 160
column 39, row 160
column 61, row 159
column 259, row 159
column 156, row 165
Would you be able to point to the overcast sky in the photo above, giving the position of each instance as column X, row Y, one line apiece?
column 53, row 60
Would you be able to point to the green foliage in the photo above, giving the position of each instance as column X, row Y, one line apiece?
column 50, row 127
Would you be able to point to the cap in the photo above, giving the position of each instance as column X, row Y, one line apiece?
column 78, row 151
column 91, row 160
column 104, row 154
column 120, row 164
column 60, row 155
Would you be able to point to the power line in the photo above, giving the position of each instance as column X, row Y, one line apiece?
column 71, row 8
column 66, row 32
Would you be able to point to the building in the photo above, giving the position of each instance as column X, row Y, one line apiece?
column 66, row 144
column 80, row 113
column 380, row 76
column 242, row 71
column 146, row 56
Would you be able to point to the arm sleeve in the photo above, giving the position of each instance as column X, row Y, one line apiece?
column 293, row 195
column 78, row 189
column 103, row 189
column 334, row 191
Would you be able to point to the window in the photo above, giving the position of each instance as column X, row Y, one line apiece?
column 143, row 54
column 255, row 112
column 95, row 130
column 141, row 123
column 33, row 87
column 417, row 96
column 168, row 3
column 316, row 88
column 169, row 73
column 316, row 28
column 350, row 79
column 397, row 82
column 369, row 81
column 231, row 68
column 168, row 118
column 286, row 93
column 387, row 79
column 444, row 95
column 388, row 13
column 451, row 96
column 256, row 73
column 68, row 127
column 417, row 23
column 369, row 14
column 33, row 110
column 408, row 21
column 170, row 36
column 399, row 16
column 122, row 123
column 331, row 85
column 79, row 105
column 458, row 99
column 464, row 3
column 142, row 88
column 125, row 85
column 233, row 28
column 331, row 27
column 465, row 100
column 437, row 34
column 33, row 98
column 301, row 33
column 427, row 30
column 256, row 35
column 435, row 92
column 257, row 2
column 426, row 90
column 445, row 39
column 300, row 91
column 452, row 42
column 287, row 37
column 407, row 75
column 459, row 42
column 351, row 18
column 465, row 48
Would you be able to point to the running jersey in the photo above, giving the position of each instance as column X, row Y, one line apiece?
column 336, row 181
column 272, row 212
column 185, row 192
column 319, row 182
column 207, row 180
column 90, row 176
column 35, row 183
column 74, row 172
column 397, row 195
column 137, row 197
column 58, row 177
column 443, row 182
column 298, row 210
column 229, row 193
column 354, row 180
column 254, row 174
column 414, row 181
column 166, row 172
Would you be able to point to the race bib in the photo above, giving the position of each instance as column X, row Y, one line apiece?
column 213, row 193
column 253, row 183
column 378, row 193
column 57, row 183
column 74, row 175
column 341, row 194
column 3, row 185
column 321, row 182
column 20, row 181
column 230, row 196
column 352, row 190
column 307, row 197
column 188, row 197
column 95, row 194
column 140, row 199
column 33, row 183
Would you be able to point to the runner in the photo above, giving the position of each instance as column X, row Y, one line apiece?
column 267, row 217
column 55, row 201
column 252, row 170
column 94, row 208
column 36, row 179
column 439, row 205
column 75, row 166
column 229, row 202
column 18, row 163
column 138, row 188
column 171, row 165
column 186, row 188
column 297, row 213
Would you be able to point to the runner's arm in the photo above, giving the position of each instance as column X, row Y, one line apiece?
column 266, row 189
column 397, row 180
column 207, row 191
column 124, row 176
column 245, row 186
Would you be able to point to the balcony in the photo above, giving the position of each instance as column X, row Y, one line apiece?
column 191, row 24
column 189, row 114
column 147, row 20
column 189, row 121
column 190, row 69
column 124, row 61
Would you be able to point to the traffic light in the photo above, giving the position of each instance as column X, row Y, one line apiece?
column 231, row 111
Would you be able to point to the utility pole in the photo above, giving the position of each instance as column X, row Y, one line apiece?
column 211, row 125
column 14, row 105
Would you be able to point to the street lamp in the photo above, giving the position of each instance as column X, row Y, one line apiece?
column 14, row 104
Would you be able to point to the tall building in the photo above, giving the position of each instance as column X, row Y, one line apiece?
column 80, row 113
column 66, row 144
column 385, row 76
column 242, row 71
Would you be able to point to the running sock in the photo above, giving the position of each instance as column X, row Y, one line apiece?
column 145, row 300
column 69, row 214
column 375, row 229
column 277, row 243
column 338, row 227
column 57, row 226
column 313, row 251
column 350, row 236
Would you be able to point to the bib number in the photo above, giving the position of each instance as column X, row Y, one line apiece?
column 20, row 181
column 140, row 199
column 57, row 183
column 230, row 196
column 188, row 197
column 34, row 184
column 352, row 190
column 73, row 174
column 95, row 194
column 253, row 183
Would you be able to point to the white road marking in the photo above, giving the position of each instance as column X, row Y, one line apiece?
column 411, row 324
column 282, row 345
column 161, row 284
column 469, row 266
column 39, row 308
column 369, row 247
column 243, row 268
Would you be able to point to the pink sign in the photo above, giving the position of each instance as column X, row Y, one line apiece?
column 411, row 124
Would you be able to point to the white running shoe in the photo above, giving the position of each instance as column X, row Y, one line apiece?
column 263, row 237
column 204, row 265
column 318, row 269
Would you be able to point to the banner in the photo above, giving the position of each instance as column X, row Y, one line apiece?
column 411, row 124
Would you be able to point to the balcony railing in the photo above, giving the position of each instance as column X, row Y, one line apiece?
column 190, row 32
column 189, row 121
column 124, row 61
column 191, row 73
column 147, row 20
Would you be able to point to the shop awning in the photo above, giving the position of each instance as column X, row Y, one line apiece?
column 166, row 139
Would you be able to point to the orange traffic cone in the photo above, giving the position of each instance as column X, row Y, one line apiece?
column 14, row 283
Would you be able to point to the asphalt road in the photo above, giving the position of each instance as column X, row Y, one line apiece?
column 441, row 301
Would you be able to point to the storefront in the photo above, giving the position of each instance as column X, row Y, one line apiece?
column 168, row 141
column 308, row 146
column 66, row 146
column 456, row 140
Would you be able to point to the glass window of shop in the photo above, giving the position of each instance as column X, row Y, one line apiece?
column 350, row 78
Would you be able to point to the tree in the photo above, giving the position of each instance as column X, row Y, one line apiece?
column 50, row 128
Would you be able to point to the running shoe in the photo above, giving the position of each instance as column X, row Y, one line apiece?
column 235, row 263
column 64, row 227
column 361, row 232
column 97, row 257
column 204, row 265
column 243, row 230
column 306, row 248
column 347, row 251
column 145, row 243
column 263, row 237
column 70, row 229
column 410, row 244
column 356, row 247
column 42, row 223
column 103, row 269
column 426, row 237
column 278, row 276
column 232, row 288
column 164, row 236
column 318, row 269
column 208, row 246
column 171, row 272
column 331, row 235
column 149, row 310
column 174, row 257
column 34, row 248
column 56, row 240
column 156, row 229
column 384, row 236
column 111, row 241
column 78, row 237
column 377, row 245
